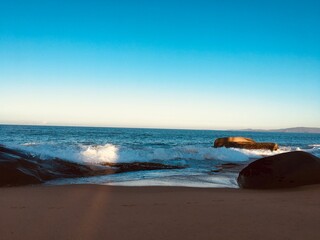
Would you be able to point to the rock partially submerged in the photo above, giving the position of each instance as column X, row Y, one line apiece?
column 140, row 166
column 284, row 170
column 21, row 168
column 246, row 143
column 228, row 167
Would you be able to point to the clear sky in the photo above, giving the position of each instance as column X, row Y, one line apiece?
column 217, row 64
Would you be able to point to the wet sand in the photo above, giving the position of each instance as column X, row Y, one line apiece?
column 105, row 212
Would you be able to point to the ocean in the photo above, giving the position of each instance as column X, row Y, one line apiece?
column 190, row 149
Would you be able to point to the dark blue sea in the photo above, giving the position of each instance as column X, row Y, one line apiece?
column 191, row 149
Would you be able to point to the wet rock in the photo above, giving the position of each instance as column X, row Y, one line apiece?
column 15, row 173
column 228, row 167
column 246, row 143
column 21, row 168
column 284, row 170
column 140, row 166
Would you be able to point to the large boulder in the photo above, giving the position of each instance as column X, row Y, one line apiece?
column 246, row 143
column 284, row 170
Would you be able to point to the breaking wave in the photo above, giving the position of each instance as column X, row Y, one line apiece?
column 315, row 145
column 112, row 153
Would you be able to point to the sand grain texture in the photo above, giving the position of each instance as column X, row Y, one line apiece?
column 104, row 212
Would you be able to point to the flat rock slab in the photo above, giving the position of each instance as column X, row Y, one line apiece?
column 141, row 166
column 245, row 143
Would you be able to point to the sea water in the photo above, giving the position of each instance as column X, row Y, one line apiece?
column 191, row 149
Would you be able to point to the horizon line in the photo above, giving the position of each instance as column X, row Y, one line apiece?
column 156, row 128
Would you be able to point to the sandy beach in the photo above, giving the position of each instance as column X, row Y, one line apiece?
column 112, row 212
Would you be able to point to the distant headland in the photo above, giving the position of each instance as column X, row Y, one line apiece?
column 288, row 130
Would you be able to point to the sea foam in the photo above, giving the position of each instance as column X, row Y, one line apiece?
column 115, row 154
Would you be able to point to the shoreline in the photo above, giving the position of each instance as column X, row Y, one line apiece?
column 124, row 212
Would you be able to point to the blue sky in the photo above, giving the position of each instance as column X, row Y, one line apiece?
column 171, row 64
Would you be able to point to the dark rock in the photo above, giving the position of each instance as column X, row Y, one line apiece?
column 20, row 168
column 284, row 170
column 241, row 142
column 14, row 173
column 228, row 167
column 140, row 166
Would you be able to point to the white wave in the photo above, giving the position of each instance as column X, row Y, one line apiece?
column 112, row 153
column 98, row 154
column 184, row 155
column 258, row 153
column 314, row 145
column 30, row 144
column 315, row 151
column 264, row 153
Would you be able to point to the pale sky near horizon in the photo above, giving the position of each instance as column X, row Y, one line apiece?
column 164, row 64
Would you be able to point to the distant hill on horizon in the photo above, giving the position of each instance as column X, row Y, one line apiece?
column 288, row 130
